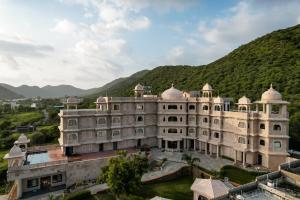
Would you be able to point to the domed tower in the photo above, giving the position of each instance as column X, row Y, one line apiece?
column 72, row 103
column 207, row 91
column 15, row 157
column 244, row 104
column 138, row 90
column 273, row 129
column 101, row 104
column 22, row 142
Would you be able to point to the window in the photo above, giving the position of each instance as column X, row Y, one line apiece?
column 140, row 119
column 204, row 133
column 181, row 119
column 275, row 109
column 57, row 178
column 242, row 140
column 277, row 127
column 116, row 107
column 180, row 107
column 191, row 130
column 72, row 137
column 172, row 107
column 191, row 107
column 102, row 107
column 32, row 183
column 216, row 135
column 192, row 119
column 164, row 119
column 115, row 133
column 116, row 120
column 262, row 142
column 180, row 130
column 100, row 134
column 243, row 108
column 140, row 107
column 164, row 130
column 72, row 122
column 205, row 120
column 139, row 130
column 164, row 107
column 277, row 145
column 172, row 119
column 172, row 130
column 262, row 126
column 101, row 120
column 217, row 108
column 216, row 121
column 205, row 107
column 242, row 125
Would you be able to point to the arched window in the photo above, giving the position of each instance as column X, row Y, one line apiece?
column 242, row 125
column 172, row 130
column 243, row 108
column 242, row 140
column 181, row 119
column 140, row 119
column 277, row 127
column 172, row 119
column 164, row 130
column 205, row 107
column 172, row 107
column 180, row 130
column 216, row 121
column 277, row 145
column 139, row 130
column 192, row 107
column 164, row 107
column 205, row 120
column 262, row 126
column 262, row 142
column 164, row 119
column 217, row 108
column 216, row 135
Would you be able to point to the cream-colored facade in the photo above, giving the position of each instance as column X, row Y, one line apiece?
column 178, row 121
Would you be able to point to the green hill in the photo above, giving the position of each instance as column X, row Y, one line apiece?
column 248, row 70
column 8, row 94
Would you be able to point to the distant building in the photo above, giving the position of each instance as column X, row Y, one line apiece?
column 33, row 105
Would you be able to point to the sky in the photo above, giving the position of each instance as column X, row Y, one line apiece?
column 87, row 43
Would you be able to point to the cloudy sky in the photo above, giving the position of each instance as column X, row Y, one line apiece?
column 88, row 43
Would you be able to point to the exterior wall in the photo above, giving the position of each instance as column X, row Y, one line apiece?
column 84, row 170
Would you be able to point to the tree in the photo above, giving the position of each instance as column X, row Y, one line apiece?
column 190, row 161
column 123, row 173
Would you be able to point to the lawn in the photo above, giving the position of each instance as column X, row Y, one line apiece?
column 22, row 118
column 238, row 175
column 178, row 189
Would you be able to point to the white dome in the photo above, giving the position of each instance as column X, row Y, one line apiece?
column 139, row 87
column 218, row 100
column 271, row 94
column 23, row 139
column 172, row 93
column 244, row 100
column 72, row 100
column 207, row 87
column 101, row 100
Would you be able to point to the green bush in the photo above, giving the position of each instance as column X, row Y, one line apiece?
column 85, row 194
column 38, row 138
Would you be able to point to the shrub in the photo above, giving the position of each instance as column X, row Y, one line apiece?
column 85, row 194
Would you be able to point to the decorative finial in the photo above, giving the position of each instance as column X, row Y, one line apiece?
column 172, row 84
column 271, row 86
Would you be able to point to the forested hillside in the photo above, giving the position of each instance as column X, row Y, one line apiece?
column 249, row 70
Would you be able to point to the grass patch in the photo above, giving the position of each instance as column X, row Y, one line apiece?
column 178, row 189
column 238, row 175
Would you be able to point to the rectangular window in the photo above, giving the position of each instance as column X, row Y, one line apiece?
column 116, row 107
column 262, row 142
column 101, row 120
column 172, row 107
column 116, row 120
column 72, row 122
column 57, row 178
column 262, row 126
column 115, row 133
column 277, row 145
column 32, row 183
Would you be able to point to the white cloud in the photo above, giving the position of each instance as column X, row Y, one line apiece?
column 7, row 61
column 65, row 26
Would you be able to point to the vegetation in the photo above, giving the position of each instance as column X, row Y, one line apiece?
column 249, row 70
column 178, row 189
column 238, row 175
column 85, row 194
column 123, row 173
